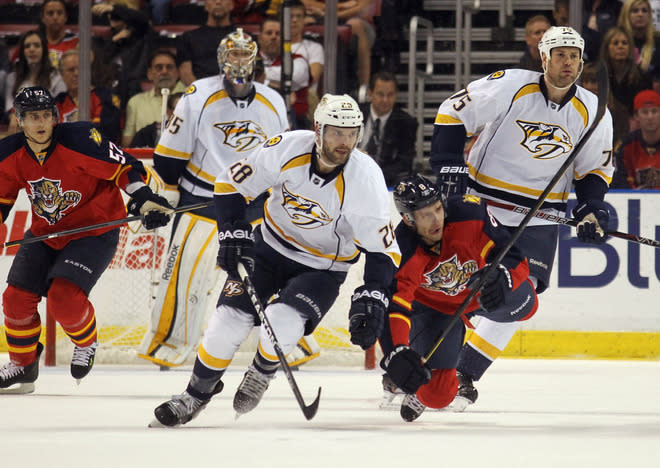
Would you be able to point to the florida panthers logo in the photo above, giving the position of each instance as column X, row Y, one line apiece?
column 242, row 135
column 304, row 213
column 49, row 201
column 450, row 276
column 545, row 141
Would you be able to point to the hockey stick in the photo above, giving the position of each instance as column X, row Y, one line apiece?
column 116, row 222
column 571, row 222
column 603, row 94
column 308, row 411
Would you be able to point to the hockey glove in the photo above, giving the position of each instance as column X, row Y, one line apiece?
column 404, row 366
column 592, row 220
column 452, row 178
column 236, row 245
column 495, row 288
column 154, row 209
column 367, row 315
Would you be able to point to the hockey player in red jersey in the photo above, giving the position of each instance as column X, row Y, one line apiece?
column 445, row 245
column 72, row 176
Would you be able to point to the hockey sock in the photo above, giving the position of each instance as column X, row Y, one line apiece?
column 68, row 304
column 265, row 363
column 22, row 324
column 441, row 389
column 204, row 382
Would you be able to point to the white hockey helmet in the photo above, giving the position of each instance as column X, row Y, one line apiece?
column 338, row 111
column 239, row 72
column 560, row 36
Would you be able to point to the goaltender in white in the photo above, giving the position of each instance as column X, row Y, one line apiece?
column 329, row 203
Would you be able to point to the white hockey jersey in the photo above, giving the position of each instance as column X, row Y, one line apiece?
column 523, row 139
column 211, row 131
column 310, row 220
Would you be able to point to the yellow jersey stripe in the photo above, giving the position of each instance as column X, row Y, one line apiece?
column 483, row 346
column 210, row 361
column 402, row 317
column 198, row 172
column 402, row 302
column 582, row 110
column 514, row 188
column 445, row 119
column 215, row 97
column 484, row 252
column 165, row 151
column 298, row 161
column 527, row 89
column 259, row 97
column 222, row 188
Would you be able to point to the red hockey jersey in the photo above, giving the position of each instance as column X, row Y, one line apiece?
column 74, row 183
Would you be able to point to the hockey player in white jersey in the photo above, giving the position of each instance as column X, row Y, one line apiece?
column 329, row 202
column 527, row 124
column 218, row 121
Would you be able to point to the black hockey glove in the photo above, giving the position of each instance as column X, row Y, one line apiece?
column 593, row 219
column 404, row 366
column 154, row 209
column 494, row 290
column 367, row 315
column 452, row 177
column 236, row 245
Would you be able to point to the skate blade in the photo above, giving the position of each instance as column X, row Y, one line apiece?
column 155, row 423
column 20, row 389
column 393, row 404
column 459, row 404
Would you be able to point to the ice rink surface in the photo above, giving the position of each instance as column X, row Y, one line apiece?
column 530, row 413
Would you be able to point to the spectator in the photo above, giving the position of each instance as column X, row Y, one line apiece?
column 312, row 51
column 598, row 17
column 196, row 52
column 145, row 108
column 560, row 13
column 635, row 18
column 33, row 68
column 358, row 14
column 535, row 27
column 270, row 44
column 638, row 157
column 626, row 80
column 103, row 113
column 4, row 70
column 589, row 78
column 52, row 24
column 390, row 133
column 129, row 47
column 148, row 136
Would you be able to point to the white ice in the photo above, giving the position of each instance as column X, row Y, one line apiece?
column 530, row 413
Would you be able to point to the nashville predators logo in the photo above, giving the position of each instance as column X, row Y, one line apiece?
column 232, row 288
column 305, row 213
column 242, row 135
column 49, row 201
column 545, row 141
column 450, row 276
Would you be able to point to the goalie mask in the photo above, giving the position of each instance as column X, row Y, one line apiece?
column 236, row 55
column 337, row 111
column 414, row 193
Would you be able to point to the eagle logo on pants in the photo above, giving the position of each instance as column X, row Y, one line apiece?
column 49, row 201
column 545, row 141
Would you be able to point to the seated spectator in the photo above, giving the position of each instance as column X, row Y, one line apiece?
column 638, row 156
column 148, row 136
column 535, row 27
column 103, row 113
column 598, row 17
column 560, row 13
column 33, row 68
column 145, row 108
column 589, row 77
column 390, row 133
column 626, row 80
column 52, row 24
column 270, row 48
column 197, row 50
column 129, row 47
column 635, row 18
column 358, row 15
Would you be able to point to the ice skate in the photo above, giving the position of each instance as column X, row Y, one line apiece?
column 82, row 360
column 20, row 379
column 411, row 408
column 390, row 393
column 466, row 394
column 251, row 389
column 181, row 408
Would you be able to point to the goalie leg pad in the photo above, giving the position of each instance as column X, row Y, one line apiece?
column 187, row 281
column 306, row 349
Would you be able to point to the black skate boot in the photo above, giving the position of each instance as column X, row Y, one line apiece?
column 466, row 394
column 390, row 392
column 182, row 408
column 25, row 376
column 411, row 408
column 251, row 389
column 83, row 360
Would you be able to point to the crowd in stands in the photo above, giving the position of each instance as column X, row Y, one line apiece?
column 623, row 35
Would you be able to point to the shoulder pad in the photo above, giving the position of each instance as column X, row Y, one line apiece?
column 465, row 208
column 10, row 145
